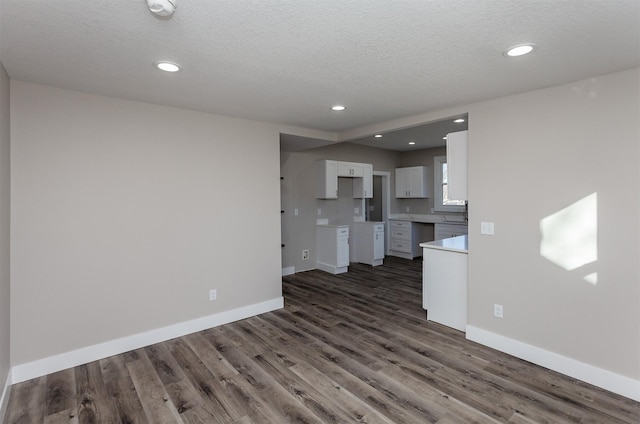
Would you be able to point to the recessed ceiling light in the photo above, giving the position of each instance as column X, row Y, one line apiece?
column 459, row 121
column 338, row 107
column 378, row 135
column 412, row 142
column 167, row 66
column 444, row 138
column 519, row 50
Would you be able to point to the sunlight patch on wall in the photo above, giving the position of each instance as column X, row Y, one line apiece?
column 570, row 236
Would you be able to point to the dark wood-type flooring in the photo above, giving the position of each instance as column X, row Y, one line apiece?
column 352, row 348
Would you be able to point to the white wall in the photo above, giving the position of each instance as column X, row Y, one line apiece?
column 125, row 214
column 5, row 305
column 531, row 155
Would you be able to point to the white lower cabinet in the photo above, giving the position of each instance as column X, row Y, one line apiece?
column 333, row 248
column 444, row 287
column 404, row 239
column 367, row 245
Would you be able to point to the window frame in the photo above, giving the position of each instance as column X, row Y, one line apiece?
column 437, row 188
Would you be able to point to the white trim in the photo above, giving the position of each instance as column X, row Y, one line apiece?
column 602, row 378
column 288, row 270
column 4, row 398
column 87, row 354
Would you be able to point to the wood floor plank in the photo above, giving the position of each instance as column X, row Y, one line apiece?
column 27, row 402
column 94, row 404
column 156, row 403
column 348, row 348
column 125, row 400
column 60, row 392
column 200, row 378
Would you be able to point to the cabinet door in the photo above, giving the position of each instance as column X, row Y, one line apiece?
column 401, row 183
column 363, row 186
column 327, row 179
column 378, row 245
column 350, row 169
column 457, row 165
column 342, row 251
column 416, row 180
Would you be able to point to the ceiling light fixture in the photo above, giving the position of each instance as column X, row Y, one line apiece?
column 378, row 135
column 459, row 121
column 519, row 50
column 167, row 66
column 162, row 7
column 338, row 108
column 412, row 142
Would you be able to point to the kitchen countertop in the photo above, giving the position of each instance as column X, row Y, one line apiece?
column 453, row 244
column 430, row 219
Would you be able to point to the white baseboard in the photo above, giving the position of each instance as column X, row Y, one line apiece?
column 602, row 378
column 332, row 269
column 4, row 398
column 288, row 270
column 88, row 354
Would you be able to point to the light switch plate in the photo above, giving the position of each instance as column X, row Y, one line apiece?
column 486, row 228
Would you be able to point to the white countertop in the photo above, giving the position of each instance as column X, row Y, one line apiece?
column 430, row 219
column 453, row 244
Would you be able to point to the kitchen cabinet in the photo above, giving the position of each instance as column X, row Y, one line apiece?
column 412, row 182
column 404, row 239
column 367, row 243
column 328, row 171
column 457, row 146
column 350, row 169
column 447, row 230
column 444, row 281
column 363, row 187
column 327, row 179
column 333, row 248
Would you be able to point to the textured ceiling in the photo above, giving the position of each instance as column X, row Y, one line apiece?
column 288, row 61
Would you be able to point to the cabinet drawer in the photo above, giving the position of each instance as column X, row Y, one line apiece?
column 378, row 227
column 342, row 232
column 443, row 231
column 401, row 245
column 400, row 224
column 401, row 234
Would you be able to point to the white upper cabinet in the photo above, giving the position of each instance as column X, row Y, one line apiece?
column 412, row 182
column 328, row 171
column 363, row 187
column 327, row 179
column 350, row 169
column 457, row 143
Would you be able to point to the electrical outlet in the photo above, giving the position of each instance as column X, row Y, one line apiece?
column 319, row 211
column 295, row 212
column 213, row 294
column 356, row 210
column 497, row 311
column 305, row 254
column 407, row 208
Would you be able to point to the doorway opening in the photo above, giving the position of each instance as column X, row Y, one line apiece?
column 378, row 207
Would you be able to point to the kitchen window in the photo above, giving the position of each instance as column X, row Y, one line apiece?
column 441, row 198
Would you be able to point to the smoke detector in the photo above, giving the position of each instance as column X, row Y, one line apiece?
column 162, row 7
